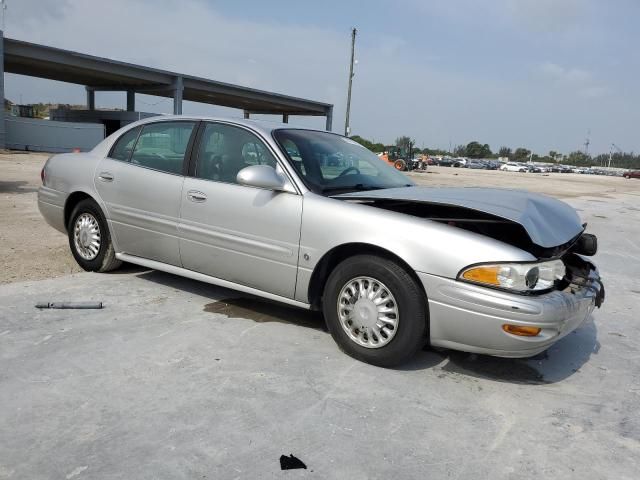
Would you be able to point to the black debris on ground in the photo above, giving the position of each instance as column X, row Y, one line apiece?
column 291, row 462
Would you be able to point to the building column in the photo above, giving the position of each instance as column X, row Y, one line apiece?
column 177, row 96
column 329, row 114
column 131, row 101
column 91, row 98
column 3, row 138
column 285, row 118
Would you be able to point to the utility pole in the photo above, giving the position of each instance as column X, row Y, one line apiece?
column 3, row 6
column 613, row 145
column 353, row 48
column 587, row 142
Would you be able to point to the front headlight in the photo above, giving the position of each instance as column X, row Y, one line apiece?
column 519, row 277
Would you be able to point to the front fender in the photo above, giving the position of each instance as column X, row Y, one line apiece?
column 425, row 246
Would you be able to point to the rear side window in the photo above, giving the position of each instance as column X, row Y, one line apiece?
column 162, row 146
column 124, row 145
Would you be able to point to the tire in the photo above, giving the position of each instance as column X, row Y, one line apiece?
column 400, row 165
column 88, row 217
column 401, row 342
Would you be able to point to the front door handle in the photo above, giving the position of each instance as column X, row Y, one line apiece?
column 105, row 177
column 196, row 196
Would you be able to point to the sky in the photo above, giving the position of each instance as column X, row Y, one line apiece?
column 539, row 74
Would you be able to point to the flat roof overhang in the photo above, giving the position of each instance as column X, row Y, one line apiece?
column 98, row 73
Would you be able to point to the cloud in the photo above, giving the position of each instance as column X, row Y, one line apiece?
column 548, row 15
column 577, row 80
column 456, row 71
column 192, row 38
column 595, row 92
column 571, row 76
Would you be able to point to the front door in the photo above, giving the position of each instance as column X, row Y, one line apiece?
column 241, row 234
column 140, row 183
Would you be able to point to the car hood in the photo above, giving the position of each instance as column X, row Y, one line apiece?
column 547, row 221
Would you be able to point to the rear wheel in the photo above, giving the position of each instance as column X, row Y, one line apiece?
column 89, row 238
column 375, row 310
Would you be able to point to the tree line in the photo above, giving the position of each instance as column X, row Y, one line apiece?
column 521, row 154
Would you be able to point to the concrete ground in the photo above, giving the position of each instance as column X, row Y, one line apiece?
column 179, row 379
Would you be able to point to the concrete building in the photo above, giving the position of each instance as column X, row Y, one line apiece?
column 103, row 74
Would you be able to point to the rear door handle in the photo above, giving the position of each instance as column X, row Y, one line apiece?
column 196, row 196
column 105, row 177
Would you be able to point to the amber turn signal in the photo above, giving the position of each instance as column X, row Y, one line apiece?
column 483, row 274
column 521, row 331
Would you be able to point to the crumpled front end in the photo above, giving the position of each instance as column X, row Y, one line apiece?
column 473, row 318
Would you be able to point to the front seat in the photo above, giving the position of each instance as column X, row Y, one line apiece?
column 232, row 163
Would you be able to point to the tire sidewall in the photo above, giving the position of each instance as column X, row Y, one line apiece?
column 91, row 207
column 411, row 333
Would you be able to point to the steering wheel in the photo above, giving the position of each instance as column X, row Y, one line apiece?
column 159, row 155
column 347, row 170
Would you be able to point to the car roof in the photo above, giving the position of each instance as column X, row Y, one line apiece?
column 262, row 126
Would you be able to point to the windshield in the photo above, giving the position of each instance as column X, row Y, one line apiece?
column 329, row 164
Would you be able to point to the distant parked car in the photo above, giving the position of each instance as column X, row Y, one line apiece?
column 513, row 167
column 533, row 169
column 445, row 162
column 476, row 164
column 460, row 162
column 631, row 174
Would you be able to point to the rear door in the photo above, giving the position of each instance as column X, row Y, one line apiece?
column 242, row 234
column 140, row 183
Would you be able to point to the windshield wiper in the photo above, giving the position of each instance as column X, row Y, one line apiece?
column 358, row 187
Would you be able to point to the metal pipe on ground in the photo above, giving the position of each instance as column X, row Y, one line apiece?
column 70, row 305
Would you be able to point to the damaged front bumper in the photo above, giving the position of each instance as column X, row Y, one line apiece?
column 470, row 318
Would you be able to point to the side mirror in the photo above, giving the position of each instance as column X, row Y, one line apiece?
column 262, row 176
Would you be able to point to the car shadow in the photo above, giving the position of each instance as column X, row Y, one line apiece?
column 559, row 362
column 20, row 186
column 235, row 304
column 128, row 268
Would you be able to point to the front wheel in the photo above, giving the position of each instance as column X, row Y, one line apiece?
column 375, row 310
column 89, row 238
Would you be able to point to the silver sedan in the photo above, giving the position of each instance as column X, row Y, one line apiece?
column 315, row 220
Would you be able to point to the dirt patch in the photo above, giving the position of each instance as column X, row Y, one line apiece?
column 30, row 249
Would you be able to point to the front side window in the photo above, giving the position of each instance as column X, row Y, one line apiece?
column 124, row 145
column 225, row 150
column 162, row 146
column 331, row 164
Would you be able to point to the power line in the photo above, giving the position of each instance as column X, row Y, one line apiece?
column 156, row 103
